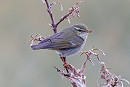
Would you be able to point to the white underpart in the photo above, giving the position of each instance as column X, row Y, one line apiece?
column 83, row 35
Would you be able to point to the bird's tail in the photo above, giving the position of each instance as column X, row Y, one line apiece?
column 35, row 47
column 42, row 45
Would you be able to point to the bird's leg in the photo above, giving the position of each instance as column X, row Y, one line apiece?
column 64, row 61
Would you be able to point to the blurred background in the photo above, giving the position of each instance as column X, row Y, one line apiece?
column 20, row 66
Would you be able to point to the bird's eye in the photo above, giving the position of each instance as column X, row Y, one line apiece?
column 76, row 28
column 80, row 30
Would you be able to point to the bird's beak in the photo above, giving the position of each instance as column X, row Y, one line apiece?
column 88, row 31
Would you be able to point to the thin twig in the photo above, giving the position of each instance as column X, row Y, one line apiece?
column 64, row 17
column 72, row 11
column 51, row 16
column 111, row 80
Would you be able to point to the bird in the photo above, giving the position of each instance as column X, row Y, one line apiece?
column 66, row 42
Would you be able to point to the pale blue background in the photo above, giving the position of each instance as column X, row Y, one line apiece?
column 20, row 66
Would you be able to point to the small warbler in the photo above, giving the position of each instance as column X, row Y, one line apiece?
column 66, row 42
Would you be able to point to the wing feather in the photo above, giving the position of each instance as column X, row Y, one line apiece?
column 61, row 40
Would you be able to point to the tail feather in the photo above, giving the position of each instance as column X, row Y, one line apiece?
column 35, row 47
column 42, row 45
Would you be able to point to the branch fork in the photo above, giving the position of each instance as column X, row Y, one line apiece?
column 72, row 11
column 76, row 76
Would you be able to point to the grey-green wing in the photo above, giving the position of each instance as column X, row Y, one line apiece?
column 61, row 40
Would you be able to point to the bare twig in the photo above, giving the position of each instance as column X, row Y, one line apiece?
column 111, row 79
column 76, row 76
column 61, row 7
column 91, row 52
column 51, row 16
column 64, row 17
column 37, row 37
column 72, row 11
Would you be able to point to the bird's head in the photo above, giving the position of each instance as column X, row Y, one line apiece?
column 81, row 30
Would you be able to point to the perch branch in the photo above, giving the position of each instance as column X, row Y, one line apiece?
column 76, row 76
